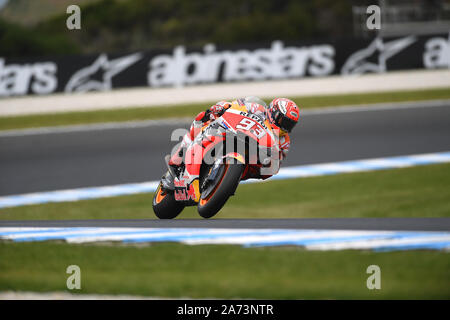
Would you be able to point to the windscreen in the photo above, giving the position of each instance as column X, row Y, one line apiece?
column 257, row 100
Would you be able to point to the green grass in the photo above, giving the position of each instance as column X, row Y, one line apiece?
column 190, row 110
column 222, row 271
column 422, row 191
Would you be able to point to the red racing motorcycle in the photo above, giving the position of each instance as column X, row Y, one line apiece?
column 236, row 144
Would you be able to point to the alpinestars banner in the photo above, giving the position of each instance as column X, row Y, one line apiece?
column 211, row 64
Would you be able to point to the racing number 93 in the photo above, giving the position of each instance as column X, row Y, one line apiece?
column 247, row 124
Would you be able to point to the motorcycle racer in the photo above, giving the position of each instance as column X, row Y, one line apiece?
column 282, row 114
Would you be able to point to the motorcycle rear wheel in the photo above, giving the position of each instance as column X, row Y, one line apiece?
column 164, row 204
column 225, row 187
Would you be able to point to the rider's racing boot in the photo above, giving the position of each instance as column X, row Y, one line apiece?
column 175, row 163
column 176, row 160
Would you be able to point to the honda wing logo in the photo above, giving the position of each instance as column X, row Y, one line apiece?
column 98, row 76
column 374, row 57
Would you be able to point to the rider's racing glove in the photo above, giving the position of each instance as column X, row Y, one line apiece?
column 217, row 110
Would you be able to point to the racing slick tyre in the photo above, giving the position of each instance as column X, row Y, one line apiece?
column 164, row 204
column 225, row 187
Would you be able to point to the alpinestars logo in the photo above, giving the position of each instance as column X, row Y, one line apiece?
column 374, row 57
column 98, row 76
column 437, row 53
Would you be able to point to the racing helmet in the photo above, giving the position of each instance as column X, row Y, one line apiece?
column 283, row 113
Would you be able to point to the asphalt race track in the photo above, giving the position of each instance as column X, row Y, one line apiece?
column 380, row 224
column 54, row 161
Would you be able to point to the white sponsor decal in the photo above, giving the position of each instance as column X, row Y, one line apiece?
column 98, row 76
column 16, row 79
column 437, row 53
column 275, row 63
column 374, row 57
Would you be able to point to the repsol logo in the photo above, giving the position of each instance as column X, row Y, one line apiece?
column 210, row 65
column 20, row 79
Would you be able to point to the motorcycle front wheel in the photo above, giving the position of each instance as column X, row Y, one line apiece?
column 225, row 186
